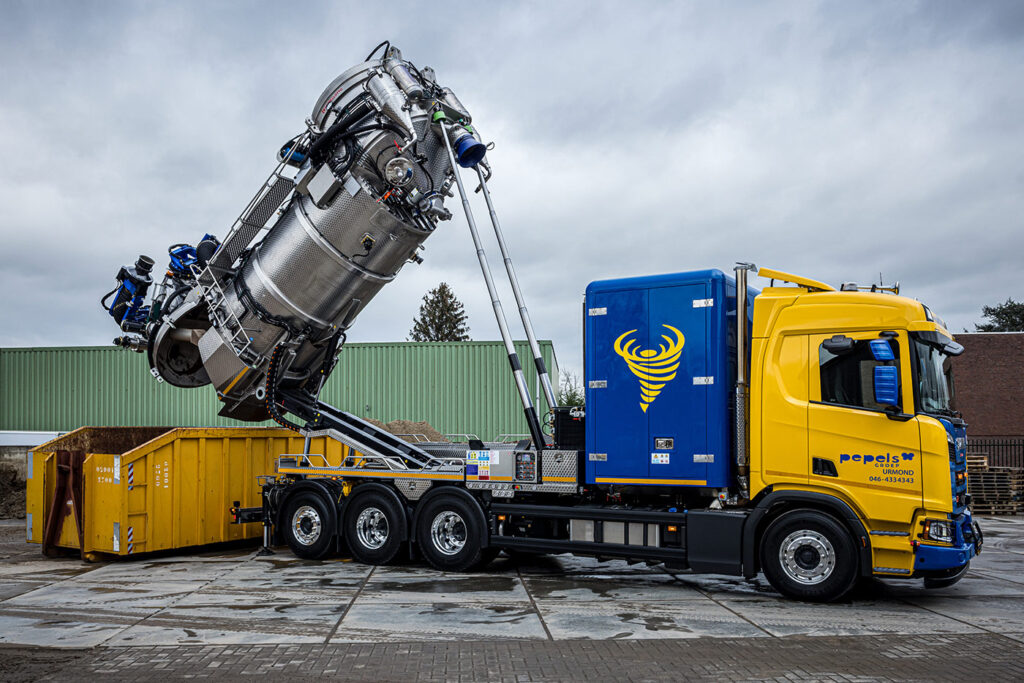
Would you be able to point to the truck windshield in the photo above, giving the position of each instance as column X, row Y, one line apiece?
column 934, row 380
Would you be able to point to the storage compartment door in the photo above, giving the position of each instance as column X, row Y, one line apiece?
column 677, row 384
column 616, row 425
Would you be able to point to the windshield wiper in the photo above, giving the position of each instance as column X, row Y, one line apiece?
column 944, row 411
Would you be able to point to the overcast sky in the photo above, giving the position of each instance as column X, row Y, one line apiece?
column 836, row 140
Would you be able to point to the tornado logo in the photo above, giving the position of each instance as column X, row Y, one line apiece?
column 655, row 369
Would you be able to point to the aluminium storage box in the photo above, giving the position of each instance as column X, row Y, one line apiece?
column 144, row 489
column 660, row 369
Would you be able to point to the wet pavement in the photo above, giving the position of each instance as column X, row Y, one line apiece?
column 232, row 597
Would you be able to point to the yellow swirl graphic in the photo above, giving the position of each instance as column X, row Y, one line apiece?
column 654, row 369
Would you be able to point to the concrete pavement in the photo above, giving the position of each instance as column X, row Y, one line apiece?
column 213, row 603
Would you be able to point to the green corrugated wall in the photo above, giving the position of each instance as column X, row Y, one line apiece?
column 456, row 386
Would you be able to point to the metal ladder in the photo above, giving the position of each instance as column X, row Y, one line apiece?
column 220, row 315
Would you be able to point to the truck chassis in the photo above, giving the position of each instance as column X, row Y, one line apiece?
column 432, row 500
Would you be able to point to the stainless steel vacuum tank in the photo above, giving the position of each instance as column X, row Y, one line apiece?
column 352, row 200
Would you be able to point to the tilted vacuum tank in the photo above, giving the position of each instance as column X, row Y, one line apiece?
column 351, row 201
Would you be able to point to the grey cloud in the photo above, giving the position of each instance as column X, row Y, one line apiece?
column 836, row 140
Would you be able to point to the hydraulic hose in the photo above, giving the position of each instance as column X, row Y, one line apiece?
column 271, row 393
column 323, row 145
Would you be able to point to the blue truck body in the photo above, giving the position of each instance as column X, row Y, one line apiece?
column 659, row 371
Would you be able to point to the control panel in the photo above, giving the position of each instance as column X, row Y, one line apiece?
column 526, row 467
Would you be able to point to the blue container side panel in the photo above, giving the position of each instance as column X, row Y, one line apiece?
column 680, row 411
column 612, row 390
column 641, row 387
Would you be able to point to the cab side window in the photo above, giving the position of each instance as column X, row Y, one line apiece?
column 848, row 374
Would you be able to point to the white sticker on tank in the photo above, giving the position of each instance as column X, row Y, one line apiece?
column 117, row 537
column 703, row 457
column 698, row 381
column 598, row 457
column 598, row 384
column 117, row 469
column 659, row 458
column 703, row 303
column 603, row 310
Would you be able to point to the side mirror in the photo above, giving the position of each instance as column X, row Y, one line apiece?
column 952, row 349
column 887, row 385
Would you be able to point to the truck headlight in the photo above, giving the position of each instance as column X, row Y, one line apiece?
column 938, row 530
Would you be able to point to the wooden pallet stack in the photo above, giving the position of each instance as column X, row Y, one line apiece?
column 994, row 490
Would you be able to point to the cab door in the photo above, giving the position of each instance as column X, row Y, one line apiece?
column 862, row 436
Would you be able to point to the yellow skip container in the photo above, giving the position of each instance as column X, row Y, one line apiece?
column 132, row 490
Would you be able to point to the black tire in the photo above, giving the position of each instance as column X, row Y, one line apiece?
column 373, row 527
column 448, row 532
column 808, row 555
column 308, row 523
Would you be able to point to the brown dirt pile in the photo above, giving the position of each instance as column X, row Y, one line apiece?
column 12, row 493
column 409, row 430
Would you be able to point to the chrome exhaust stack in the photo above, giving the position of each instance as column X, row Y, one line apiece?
column 742, row 382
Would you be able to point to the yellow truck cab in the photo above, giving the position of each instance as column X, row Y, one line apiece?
column 851, row 412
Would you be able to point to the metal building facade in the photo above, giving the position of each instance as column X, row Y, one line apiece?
column 456, row 386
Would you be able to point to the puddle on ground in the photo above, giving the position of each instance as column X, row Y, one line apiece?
column 474, row 584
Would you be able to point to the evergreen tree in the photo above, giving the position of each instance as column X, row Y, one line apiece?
column 570, row 390
column 442, row 317
column 1007, row 317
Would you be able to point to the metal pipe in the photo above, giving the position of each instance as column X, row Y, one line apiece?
column 499, row 315
column 742, row 382
column 538, row 359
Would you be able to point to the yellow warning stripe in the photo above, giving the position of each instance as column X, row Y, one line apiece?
column 392, row 475
column 237, row 377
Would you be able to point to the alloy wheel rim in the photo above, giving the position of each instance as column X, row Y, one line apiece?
column 306, row 525
column 372, row 528
column 807, row 557
column 448, row 533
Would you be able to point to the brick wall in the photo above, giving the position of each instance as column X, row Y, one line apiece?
column 989, row 379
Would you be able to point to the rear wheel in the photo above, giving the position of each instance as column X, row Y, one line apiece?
column 373, row 524
column 309, row 527
column 448, row 532
column 808, row 555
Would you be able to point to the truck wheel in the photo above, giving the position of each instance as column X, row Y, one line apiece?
column 449, row 534
column 372, row 528
column 808, row 555
column 308, row 525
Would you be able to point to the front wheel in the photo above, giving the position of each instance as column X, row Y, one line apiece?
column 808, row 555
